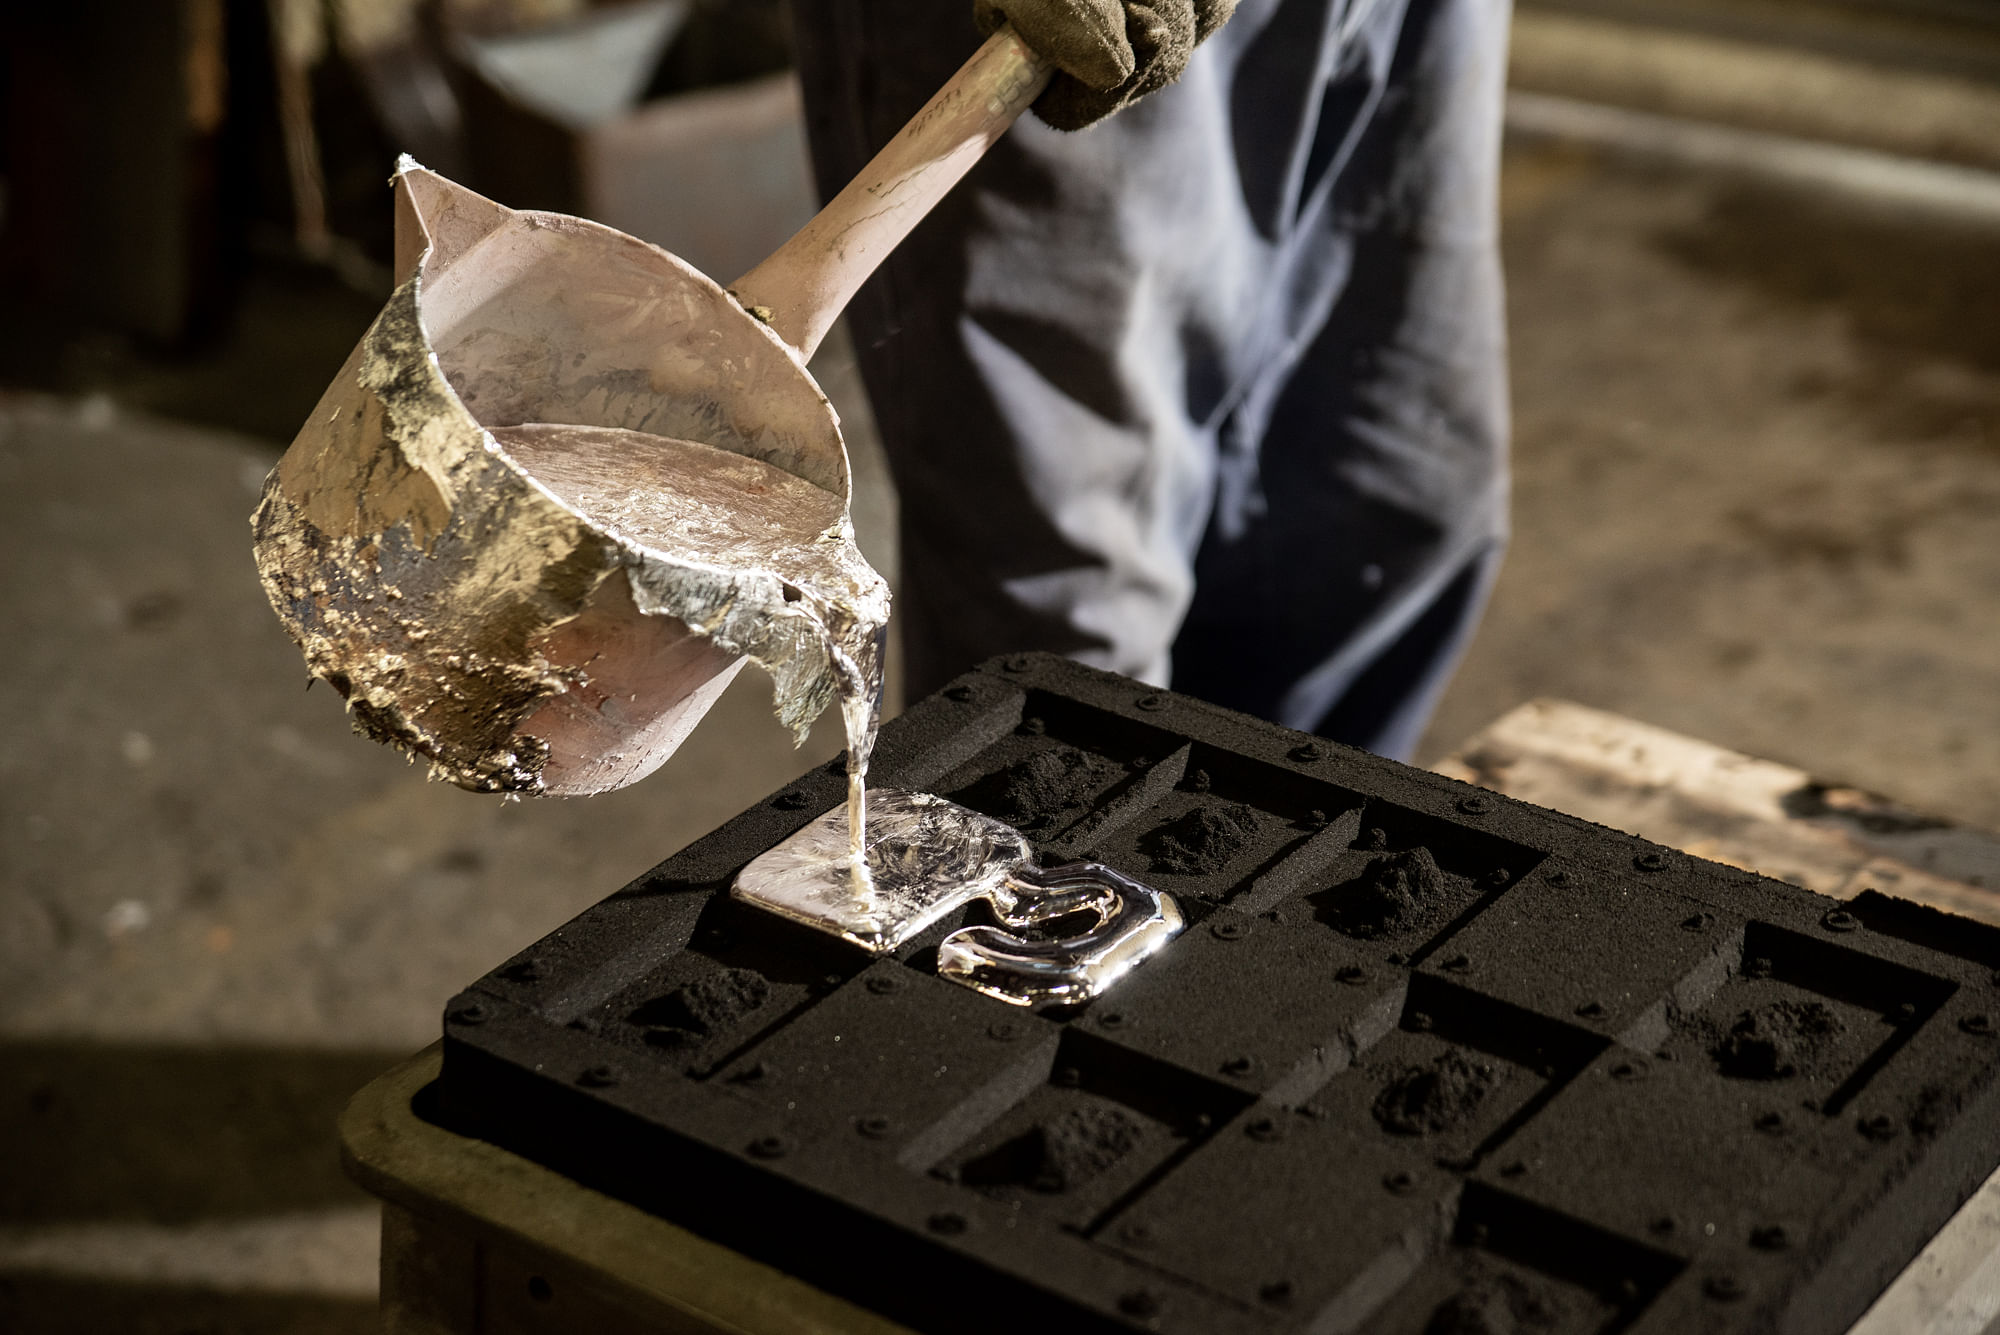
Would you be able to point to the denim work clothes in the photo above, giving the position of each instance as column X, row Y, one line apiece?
column 1212, row 392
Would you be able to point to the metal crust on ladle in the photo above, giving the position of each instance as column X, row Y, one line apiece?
column 471, row 615
column 464, row 611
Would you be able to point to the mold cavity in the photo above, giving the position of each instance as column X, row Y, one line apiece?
column 1514, row 1268
column 1810, row 1011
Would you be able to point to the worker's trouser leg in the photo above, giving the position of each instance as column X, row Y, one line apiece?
column 1215, row 389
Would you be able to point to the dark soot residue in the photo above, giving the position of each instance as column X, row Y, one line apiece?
column 1203, row 840
column 698, row 1010
column 1061, row 1153
column 1048, row 785
column 1781, row 1039
column 1420, row 1100
column 1398, row 891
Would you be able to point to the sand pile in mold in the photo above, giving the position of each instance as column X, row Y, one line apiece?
column 1777, row 1040
column 1040, row 791
column 1422, row 1100
column 696, row 1011
column 1396, row 892
column 1061, row 1153
column 1203, row 840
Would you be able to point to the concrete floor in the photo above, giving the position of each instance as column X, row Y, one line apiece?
column 1757, row 500
column 1757, row 476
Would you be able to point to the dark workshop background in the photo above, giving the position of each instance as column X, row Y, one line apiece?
column 1753, row 249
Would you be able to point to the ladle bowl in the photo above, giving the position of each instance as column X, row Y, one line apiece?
column 466, row 611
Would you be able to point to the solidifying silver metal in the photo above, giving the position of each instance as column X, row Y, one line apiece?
column 1134, row 922
column 926, row 858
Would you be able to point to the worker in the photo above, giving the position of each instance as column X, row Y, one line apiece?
column 1201, row 376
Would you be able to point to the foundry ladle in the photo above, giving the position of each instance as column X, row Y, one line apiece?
column 465, row 612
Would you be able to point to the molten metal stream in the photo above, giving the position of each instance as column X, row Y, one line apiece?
column 716, row 509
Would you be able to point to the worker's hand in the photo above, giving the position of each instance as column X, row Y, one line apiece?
column 1110, row 53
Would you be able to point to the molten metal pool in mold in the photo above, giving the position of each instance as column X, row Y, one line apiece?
column 925, row 857
column 1424, row 1059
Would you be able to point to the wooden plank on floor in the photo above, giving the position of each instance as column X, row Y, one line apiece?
column 1733, row 808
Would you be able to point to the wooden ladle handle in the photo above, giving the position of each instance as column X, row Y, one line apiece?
column 807, row 282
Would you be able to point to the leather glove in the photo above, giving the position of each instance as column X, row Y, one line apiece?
column 1110, row 53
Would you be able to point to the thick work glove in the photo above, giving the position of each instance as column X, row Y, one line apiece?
column 1110, row 53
